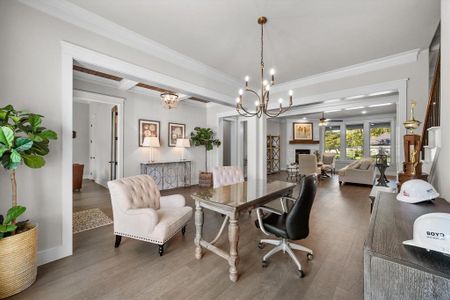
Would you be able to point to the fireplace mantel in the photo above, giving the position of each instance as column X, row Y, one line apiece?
column 304, row 142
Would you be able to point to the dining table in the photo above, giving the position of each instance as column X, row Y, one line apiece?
column 230, row 201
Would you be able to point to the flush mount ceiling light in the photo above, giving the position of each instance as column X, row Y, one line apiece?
column 169, row 99
column 381, row 93
column 353, row 108
column 364, row 112
column 355, row 97
column 262, row 104
column 381, row 104
column 332, row 100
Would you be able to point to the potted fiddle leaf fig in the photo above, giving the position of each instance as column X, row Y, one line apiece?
column 205, row 137
column 23, row 142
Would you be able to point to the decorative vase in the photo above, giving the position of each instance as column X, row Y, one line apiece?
column 18, row 263
column 205, row 179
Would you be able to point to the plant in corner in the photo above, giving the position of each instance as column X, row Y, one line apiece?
column 23, row 141
column 205, row 137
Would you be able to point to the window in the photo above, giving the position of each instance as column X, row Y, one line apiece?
column 380, row 139
column 333, row 140
column 354, row 140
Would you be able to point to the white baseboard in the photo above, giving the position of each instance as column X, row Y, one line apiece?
column 52, row 254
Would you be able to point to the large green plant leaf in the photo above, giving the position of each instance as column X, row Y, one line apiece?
column 23, row 144
column 49, row 134
column 6, row 136
column 15, row 157
column 35, row 121
column 3, row 149
column 7, row 228
column 39, row 148
column 7, row 163
column 33, row 161
column 13, row 213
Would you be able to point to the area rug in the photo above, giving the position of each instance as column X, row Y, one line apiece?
column 89, row 219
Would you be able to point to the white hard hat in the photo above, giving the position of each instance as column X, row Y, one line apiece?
column 432, row 232
column 417, row 190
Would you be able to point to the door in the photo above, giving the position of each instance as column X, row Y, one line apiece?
column 114, row 142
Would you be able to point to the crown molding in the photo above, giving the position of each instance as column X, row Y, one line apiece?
column 75, row 15
column 353, row 70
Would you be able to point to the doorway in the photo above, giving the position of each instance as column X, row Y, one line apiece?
column 97, row 149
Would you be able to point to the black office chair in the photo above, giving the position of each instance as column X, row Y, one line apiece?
column 292, row 225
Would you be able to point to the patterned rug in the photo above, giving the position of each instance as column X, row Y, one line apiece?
column 89, row 219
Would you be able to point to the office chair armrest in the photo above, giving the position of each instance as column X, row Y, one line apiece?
column 259, row 211
column 283, row 205
column 290, row 198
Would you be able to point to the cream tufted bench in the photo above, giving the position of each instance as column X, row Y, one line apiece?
column 227, row 175
column 141, row 213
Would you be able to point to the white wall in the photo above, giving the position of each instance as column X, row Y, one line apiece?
column 140, row 106
column 443, row 168
column 81, row 141
column 290, row 148
column 100, row 118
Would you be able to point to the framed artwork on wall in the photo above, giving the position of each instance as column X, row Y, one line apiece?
column 176, row 131
column 147, row 129
column 302, row 131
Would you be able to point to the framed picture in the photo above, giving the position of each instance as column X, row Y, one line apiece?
column 176, row 131
column 302, row 131
column 147, row 128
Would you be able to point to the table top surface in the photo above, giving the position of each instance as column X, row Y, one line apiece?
column 392, row 223
column 156, row 162
column 244, row 194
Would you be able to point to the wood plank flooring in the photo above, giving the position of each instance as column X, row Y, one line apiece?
column 339, row 223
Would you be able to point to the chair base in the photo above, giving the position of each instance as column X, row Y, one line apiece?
column 285, row 246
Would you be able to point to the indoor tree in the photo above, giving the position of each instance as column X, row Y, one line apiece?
column 204, row 137
column 23, row 140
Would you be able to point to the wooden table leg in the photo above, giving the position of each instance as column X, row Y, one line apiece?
column 198, row 229
column 233, row 237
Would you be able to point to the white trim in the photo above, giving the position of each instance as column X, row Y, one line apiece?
column 80, row 17
column 141, row 74
column 88, row 97
column 353, row 70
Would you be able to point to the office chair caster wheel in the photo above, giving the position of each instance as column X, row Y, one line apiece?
column 309, row 256
column 261, row 245
column 264, row 264
column 301, row 274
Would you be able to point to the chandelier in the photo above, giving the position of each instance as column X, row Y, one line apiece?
column 169, row 100
column 262, row 102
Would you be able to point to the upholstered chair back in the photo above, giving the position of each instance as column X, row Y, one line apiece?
column 227, row 175
column 328, row 158
column 307, row 164
column 134, row 192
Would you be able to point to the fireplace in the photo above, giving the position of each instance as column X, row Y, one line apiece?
column 301, row 151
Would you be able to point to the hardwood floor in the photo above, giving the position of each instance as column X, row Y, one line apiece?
column 338, row 226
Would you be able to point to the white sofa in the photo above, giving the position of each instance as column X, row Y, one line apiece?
column 141, row 213
column 360, row 171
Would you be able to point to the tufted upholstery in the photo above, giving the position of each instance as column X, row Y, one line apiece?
column 140, row 212
column 227, row 175
column 329, row 161
column 308, row 164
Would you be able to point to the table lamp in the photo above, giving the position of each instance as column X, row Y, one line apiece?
column 151, row 142
column 183, row 143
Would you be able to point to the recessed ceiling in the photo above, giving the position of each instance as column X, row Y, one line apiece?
column 302, row 37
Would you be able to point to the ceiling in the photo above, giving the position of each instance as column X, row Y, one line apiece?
column 345, row 109
column 302, row 37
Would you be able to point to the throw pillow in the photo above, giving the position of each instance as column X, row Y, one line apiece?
column 365, row 164
column 327, row 159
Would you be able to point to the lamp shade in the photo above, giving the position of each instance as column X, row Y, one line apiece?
column 183, row 143
column 151, row 142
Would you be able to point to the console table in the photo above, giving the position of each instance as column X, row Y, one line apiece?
column 393, row 270
column 169, row 174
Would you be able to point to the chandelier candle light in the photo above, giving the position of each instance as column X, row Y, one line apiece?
column 262, row 104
